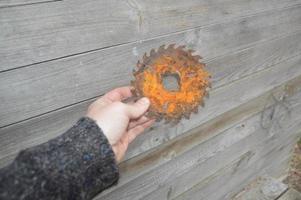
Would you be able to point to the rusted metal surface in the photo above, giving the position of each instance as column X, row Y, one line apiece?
column 193, row 82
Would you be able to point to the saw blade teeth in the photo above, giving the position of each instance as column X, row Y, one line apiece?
column 209, row 85
column 167, row 121
column 195, row 110
column 152, row 52
column 202, row 103
column 161, row 48
column 181, row 47
column 177, row 120
column 144, row 56
column 186, row 115
column 191, row 51
column 139, row 64
column 158, row 117
column 133, row 84
column 174, row 56
column 197, row 57
column 171, row 46
column 206, row 94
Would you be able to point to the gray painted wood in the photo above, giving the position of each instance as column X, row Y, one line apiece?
column 291, row 194
column 276, row 170
column 11, row 3
column 135, row 168
column 177, row 183
column 263, row 55
column 37, row 131
column 181, row 172
column 232, row 95
column 226, row 184
column 143, row 163
column 52, row 85
column 262, row 188
column 218, row 185
column 81, row 49
column 41, row 32
column 220, row 101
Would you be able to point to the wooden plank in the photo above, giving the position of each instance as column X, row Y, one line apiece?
column 14, row 138
column 258, row 140
column 204, row 159
column 232, row 67
column 40, row 32
column 67, row 81
column 228, row 184
column 220, row 101
column 291, row 194
column 134, row 167
column 274, row 168
column 233, row 178
column 11, row 3
column 33, row 132
column 37, row 131
column 262, row 188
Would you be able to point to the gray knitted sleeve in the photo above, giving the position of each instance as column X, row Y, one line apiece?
column 76, row 165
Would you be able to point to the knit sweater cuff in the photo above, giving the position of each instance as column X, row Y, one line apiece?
column 97, row 155
column 76, row 165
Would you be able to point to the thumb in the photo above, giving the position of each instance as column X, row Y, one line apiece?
column 138, row 108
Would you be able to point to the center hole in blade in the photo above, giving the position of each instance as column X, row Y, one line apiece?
column 171, row 82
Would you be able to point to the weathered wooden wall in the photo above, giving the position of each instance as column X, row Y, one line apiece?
column 58, row 56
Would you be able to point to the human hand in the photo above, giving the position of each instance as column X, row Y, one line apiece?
column 120, row 122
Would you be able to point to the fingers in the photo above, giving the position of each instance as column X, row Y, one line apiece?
column 119, row 94
column 139, row 121
column 120, row 149
column 137, row 109
column 122, row 145
column 134, row 132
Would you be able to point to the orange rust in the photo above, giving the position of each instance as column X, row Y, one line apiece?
column 193, row 81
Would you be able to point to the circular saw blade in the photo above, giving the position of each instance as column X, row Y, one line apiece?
column 193, row 81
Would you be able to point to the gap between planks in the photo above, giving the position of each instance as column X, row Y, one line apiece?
column 60, row 99
column 223, row 20
column 149, row 160
column 238, row 140
column 157, row 132
column 216, row 84
column 193, row 160
column 223, row 179
column 17, row 3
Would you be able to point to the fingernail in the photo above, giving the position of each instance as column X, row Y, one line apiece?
column 145, row 100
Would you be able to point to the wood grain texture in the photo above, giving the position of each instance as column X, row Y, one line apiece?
column 277, row 169
column 188, row 169
column 291, row 194
column 232, row 67
column 232, row 95
column 220, row 101
column 55, row 60
column 144, row 163
column 52, row 85
column 230, row 178
column 40, row 32
column 262, row 188
column 229, row 183
column 12, row 3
